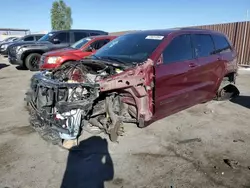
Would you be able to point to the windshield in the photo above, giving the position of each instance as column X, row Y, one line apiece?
column 46, row 37
column 80, row 43
column 130, row 48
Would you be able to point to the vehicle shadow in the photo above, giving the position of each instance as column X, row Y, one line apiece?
column 242, row 100
column 20, row 68
column 3, row 65
column 89, row 165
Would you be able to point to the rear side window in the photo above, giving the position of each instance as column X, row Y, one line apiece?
column 221, row 44
column 31, row 38
column 63, row 37
column 98, row 44
column 203, row 45
column 179, row 49
column 79, row 35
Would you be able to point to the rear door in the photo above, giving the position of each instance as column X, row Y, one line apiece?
column 225, row 50
column 173, row 85
column 209, row 65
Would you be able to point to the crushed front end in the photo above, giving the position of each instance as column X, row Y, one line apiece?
column 88, row 97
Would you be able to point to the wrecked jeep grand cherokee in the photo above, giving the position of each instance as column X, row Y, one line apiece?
column 138, row 77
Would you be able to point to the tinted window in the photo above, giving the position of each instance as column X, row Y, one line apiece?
column 80, row 35
column 129, row 48
column 203, row 45
column 94, row 34
column 98, row 44
column 221, row 44
column 63, row 37
column 31, row 38
column 38, row 37
column 179, row 49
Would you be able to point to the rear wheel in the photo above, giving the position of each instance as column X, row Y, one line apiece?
column 32, row 61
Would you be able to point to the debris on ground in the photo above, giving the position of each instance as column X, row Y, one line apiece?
column 238, row 140
column 231, row 163
column 189, row 140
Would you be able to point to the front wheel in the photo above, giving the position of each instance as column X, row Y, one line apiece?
column 32, row 61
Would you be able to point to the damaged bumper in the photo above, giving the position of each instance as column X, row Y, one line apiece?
column 53, row 107
column 92, row 97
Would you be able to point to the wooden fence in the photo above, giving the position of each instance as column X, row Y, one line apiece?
column 239, row 35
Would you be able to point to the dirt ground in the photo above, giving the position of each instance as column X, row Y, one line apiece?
column 191, row 149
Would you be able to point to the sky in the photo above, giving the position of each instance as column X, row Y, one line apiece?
column 118, row 15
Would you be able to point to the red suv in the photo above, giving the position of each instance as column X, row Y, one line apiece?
column 75, row 52
column 138, row 77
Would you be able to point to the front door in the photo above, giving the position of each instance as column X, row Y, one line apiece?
column 173, row 86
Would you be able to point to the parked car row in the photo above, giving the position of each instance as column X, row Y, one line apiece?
column 20, row 41
column 138, row 77
column 28, row 54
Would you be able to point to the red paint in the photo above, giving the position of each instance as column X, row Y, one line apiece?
column 70, row 54
column 177, row 86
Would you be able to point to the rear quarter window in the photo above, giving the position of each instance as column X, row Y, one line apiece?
column 79, row 35
column 203, row 45
column 221, row 44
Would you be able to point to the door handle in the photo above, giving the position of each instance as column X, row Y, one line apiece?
column 192, row 65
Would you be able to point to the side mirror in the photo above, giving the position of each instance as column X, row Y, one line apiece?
column 56, row 41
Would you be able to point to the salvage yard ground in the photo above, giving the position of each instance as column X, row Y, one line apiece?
column 205, row 146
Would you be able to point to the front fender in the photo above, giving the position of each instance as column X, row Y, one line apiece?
column 138, row 82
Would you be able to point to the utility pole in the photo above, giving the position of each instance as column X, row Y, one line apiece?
column 244, row 39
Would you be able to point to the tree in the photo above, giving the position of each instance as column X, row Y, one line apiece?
column 60, row 16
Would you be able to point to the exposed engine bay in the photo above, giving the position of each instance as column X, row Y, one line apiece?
column 88, row 96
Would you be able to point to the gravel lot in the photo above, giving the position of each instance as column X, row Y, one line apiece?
column 189, row 149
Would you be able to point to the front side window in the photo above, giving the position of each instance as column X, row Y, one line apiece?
column 179, row 49
column 31, row 38
column 81, row 43
column 63, row 37
column 131, row 48
column 221, row 44
column 203, row 45
column 47, row 37
column 100, row 43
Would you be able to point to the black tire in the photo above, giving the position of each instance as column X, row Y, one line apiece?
column 32, row 61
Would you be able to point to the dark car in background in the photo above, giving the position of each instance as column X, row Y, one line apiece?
column 8, row 39
column 28, row 55
column 23, row 40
